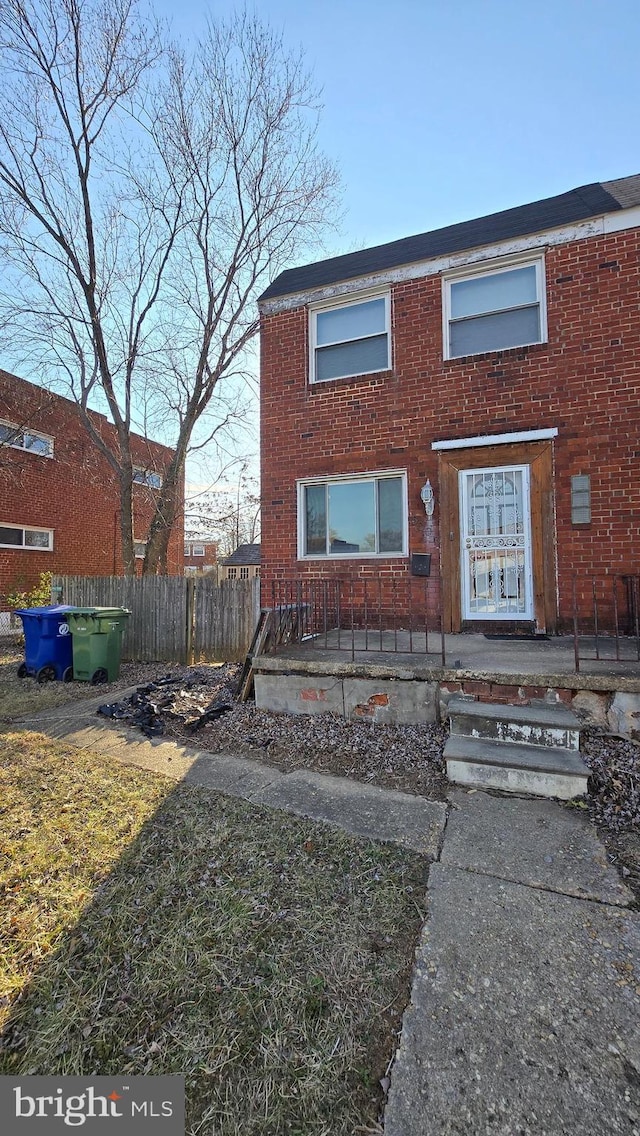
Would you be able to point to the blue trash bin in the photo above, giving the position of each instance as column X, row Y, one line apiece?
column 48, row 650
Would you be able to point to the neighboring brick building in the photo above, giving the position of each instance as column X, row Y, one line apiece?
column 200, row 556
column 498, row 360
column 59, row 496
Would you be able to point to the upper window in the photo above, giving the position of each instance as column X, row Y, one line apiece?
column 364, row 516
column 140, row 549
column 197, row 549
column 147, row 477
column 25, row 439
column 15, row 536
column 491, row 311
column 350, row 339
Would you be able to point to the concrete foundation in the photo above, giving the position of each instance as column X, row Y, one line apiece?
column 381, row 701
column 411, row 688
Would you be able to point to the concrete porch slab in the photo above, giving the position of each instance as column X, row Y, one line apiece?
column 534, row 842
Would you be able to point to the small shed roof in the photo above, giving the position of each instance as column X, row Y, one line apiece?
column 244, row 554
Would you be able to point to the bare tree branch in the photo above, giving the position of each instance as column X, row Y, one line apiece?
column 147, row 194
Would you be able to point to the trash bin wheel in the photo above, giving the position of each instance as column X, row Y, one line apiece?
column 46, row 674
column 22, row 670
column 99, row 676
column 67, row 674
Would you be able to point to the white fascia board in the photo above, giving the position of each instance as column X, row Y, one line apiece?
column 496, row 439
column 565, row 234
column 625, row 219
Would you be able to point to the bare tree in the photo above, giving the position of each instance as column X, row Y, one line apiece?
column 231, row 516
column 146, row 195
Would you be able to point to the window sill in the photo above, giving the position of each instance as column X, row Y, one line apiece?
column 497, row 356
column 376, row 376
column 352, row 557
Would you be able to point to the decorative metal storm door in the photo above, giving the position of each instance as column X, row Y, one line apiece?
column 495, row 543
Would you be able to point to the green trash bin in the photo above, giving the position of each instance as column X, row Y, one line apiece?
column 97, row 642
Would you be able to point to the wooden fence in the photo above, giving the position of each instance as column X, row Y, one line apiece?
column 173, row 618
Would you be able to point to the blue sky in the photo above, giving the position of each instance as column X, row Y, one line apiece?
column 437, row 111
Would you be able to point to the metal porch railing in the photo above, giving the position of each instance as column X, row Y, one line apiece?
column 606, row 618
column 387, row 615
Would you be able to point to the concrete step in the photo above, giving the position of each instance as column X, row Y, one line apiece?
column 546, row 771
column 552, row 725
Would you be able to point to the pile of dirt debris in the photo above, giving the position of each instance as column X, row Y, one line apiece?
column 190, row 700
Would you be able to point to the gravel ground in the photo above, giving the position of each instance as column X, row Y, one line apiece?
column 614, row 798
column 408, row 758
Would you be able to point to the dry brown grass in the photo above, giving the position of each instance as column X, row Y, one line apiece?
column 21, row 697
column 151, row 929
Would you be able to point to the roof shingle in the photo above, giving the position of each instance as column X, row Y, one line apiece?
column 564, row 209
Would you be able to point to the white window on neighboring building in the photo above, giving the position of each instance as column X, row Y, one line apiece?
column 139, row 549
column 494, row 310
column 147, row 477
column 17, row 536
column 244, row 572
column 23, row 439
column 232, row 573
column 350, row 338
column 353, row 516
column 197, row 549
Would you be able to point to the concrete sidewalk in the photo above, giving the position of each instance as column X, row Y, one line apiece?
column 525, row 1006
column 525, row 1003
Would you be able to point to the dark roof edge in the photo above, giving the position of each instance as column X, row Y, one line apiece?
column 580, row 204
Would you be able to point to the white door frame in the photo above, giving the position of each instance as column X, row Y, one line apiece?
column 519, row 542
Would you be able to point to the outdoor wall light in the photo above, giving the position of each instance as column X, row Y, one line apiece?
column 427, row 498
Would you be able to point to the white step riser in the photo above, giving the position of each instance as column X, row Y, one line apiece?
column 541, row 784
column 520, row 732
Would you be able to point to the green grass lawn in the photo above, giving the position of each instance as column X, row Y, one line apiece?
column 149, row 928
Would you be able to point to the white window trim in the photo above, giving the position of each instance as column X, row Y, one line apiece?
column 34, row 434
column 492, row 268
column 26, row 528
column 140, row 555
column 345, row 302
column 198, row 545
column 496, row 439
column 146, row 473
column 374, row 475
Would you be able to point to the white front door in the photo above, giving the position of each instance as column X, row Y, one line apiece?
column 495, row 545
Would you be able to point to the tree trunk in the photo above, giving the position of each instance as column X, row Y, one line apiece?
column 126, row 522
column 167, row 501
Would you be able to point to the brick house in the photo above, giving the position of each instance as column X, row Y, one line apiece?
column 472, row 394
column 58, row 494
column 200, row 555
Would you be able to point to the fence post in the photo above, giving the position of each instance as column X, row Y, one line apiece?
column 190, row 613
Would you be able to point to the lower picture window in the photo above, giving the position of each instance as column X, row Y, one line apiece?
column 360, row 517
column 13, row 536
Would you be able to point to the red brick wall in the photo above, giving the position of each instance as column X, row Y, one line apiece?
column 585, row 381
column 75, row 492
column 200, row 563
